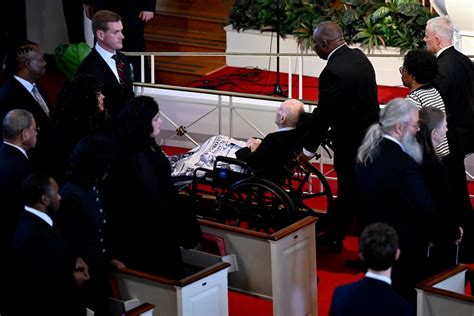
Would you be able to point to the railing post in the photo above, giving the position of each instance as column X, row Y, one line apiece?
column 300, row 78
column 231, row 113
column 152, row 65
column 219, row 117
column 290, row 77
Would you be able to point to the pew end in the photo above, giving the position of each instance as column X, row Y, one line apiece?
column 201, row 293
column 444, row 293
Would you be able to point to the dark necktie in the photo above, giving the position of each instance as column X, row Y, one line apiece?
column 120, row 68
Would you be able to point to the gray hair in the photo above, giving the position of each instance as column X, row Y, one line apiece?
column 292, row 109
column 395, row 112
column 442, row 27
column 15, row 122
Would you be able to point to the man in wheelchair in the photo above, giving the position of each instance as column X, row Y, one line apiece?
column 268, row 157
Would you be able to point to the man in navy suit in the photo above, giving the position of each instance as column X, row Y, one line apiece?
column 373, row 295
column 347, row 104
column 268, row 156
column 455, row 83
column 391, row 189
column 107, row 64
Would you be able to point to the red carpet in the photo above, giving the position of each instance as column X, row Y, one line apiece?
column 257, row 81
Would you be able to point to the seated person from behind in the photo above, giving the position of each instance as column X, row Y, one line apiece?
column 268, row 156
column 373, row 295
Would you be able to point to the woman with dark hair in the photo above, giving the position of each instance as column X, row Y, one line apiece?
column 447, row 235
column 149, row 224
column 418, row 72
column 79, row 112
column 82, row 219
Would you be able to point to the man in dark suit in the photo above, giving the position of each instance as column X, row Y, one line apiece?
column 22, row 92
column 134, row 13
column 455, row 82
column 373, row 295
column 391, row 189
column 267, row 157
column 348, row 105
column 40, row 257
column 108, row 65
column 19, row 136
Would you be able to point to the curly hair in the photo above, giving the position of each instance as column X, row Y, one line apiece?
column 422, row 64
column 77, row 105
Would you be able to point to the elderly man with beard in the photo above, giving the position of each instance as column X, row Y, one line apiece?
column 391, row 189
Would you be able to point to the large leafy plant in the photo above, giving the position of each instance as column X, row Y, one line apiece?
column 372, row 23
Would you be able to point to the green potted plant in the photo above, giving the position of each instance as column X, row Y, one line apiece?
column 371, row 23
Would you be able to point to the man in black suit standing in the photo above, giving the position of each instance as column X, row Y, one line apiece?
column 455, row 83
column 373, row 295
column 40, row 257
column 134, row 13
column 267, row 157
column 22, row 92
column 347, row 104
column 107, row 64
column 19, row 136
column 391, row 189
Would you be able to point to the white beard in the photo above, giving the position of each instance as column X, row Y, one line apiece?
column 412, row 147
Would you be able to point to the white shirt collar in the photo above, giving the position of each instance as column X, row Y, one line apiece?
column 289, row 128
column 442, row 50
column 45, row 217
column 330, row 54
column 17, row 147
column 379, row 277
column 102, row 52
column 394, row 140
column 25, row 83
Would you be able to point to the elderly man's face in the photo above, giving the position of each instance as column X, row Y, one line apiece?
column 431, row 40
column 409, row 142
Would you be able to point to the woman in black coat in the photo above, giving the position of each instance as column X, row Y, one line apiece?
column 148, row 222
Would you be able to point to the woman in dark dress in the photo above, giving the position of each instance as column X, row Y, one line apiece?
column 82, row 218
column 149, row 224
column 447, row 235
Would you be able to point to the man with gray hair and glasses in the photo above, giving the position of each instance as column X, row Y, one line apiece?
column 391, row 189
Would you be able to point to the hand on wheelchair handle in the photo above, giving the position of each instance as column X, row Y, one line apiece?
column 303, row 159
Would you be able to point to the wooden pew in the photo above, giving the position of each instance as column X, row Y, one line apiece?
column 279, row 266
column 202, row 293
column 444, row 293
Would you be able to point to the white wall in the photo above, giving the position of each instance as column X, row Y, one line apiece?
column 45, row 23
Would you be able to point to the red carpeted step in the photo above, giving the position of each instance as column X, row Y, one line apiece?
column 258, row 81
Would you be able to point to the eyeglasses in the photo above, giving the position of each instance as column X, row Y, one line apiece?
column 402, row 70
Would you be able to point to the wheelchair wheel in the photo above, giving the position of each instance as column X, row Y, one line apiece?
column 256, row 204
column 309, row 190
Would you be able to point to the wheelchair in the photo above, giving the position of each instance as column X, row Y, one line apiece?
column 232, row 194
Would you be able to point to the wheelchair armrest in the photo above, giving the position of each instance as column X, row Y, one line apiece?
column 231, row 161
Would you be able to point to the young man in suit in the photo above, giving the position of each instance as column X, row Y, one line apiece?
column 347, row 104
column 391, row 189
column 134, row 13
column 268, row 156
column 455, row 83
column 107, row 64
column 373, row 295
column 40, row 257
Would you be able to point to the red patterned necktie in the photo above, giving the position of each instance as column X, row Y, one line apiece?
column 120, row 68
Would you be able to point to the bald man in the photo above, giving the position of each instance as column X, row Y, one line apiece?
column 348, row 105
column 268, row 156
